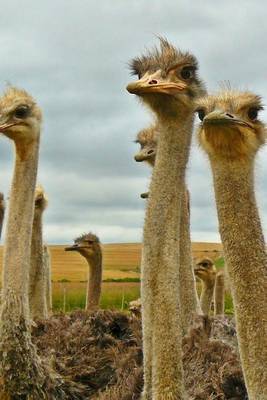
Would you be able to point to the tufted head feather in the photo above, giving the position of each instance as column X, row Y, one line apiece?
column 165, row 58
column 167, row 80
column 87, row 237
column 41, row 200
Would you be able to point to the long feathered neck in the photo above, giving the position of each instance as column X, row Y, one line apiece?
column 19, row 226
column 37, row 285
column 95, row 281
column 160, row 260
column 246, row 260
column 206, row 297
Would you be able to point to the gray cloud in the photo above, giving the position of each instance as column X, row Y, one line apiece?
column 72, row 56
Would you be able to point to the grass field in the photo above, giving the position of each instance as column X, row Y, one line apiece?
column 121, row 274
column 115, row 295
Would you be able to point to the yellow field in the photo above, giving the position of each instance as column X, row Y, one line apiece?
column 121, row 260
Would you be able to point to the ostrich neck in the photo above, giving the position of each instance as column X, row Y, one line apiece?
column 239, row 221
column 206, row 296
column 16, row 259
column 246, row 261
column 37, row 287
column 2, row 214
column 160, row 261
column 166, row 188
column 37, row 237
column 94, row 281
column 219, row 295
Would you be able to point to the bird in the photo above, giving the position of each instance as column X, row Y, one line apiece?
column 231, row 134
column 38, row 281
column 205, row 270
column 147, row 138
column 2, row 212
column 20, row 369
column 190, row 306
column 219, row 291
column 48, row 278
column 89, row 246
column 23, row 374
column 168, row 84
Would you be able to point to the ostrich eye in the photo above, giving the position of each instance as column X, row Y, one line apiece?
column 187, row 72
column 201, row 114
column 21, row 112
column 253, row 113
column 205, row 264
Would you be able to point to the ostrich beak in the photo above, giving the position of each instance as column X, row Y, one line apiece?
column 5, row 126
column 149, row 85
column 74, row 247
column 218, row 117
column 144, row 195
column 139, row 157
column 145, row 154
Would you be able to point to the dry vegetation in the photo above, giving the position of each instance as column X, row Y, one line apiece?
column 102, row 352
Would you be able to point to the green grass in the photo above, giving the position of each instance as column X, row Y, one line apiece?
column 219, row 263
column 115, row 295
column 122, row 280
column 228, row 304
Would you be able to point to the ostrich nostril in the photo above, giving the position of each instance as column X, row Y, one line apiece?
column 150, row 152
column 153, row 82
column 229, row 115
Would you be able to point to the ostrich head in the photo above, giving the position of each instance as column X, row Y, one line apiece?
column 20, row 117
column 205, row 270
column 147, row 138
column 40, row 200
column 230, row 129
column 167, row 80
column 88, row 245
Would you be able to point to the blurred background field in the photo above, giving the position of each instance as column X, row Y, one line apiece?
column 121, row 274
column 115, row 295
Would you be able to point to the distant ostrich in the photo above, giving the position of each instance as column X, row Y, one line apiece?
column 2, row 212
column 148, row 140
column 231, row 134
column 205, row 270
column 168, row 84
column 88, row 245
column 219, row 293
column 38, row 283
column 48, row 278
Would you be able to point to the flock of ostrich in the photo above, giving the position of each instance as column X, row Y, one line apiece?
column 170, row 347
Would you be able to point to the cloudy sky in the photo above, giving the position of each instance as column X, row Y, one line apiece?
column 72, row 56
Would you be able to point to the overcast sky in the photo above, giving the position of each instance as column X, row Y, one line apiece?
column 72, row 55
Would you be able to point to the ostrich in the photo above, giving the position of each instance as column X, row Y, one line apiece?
column 168, row 84
column 231, row 134
column 148, row 140
column 205, row 270
column 37, row 284
column 88, row 245
column 48, row 279
column 219, row 294
column 22, row 374
column 2, row 212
